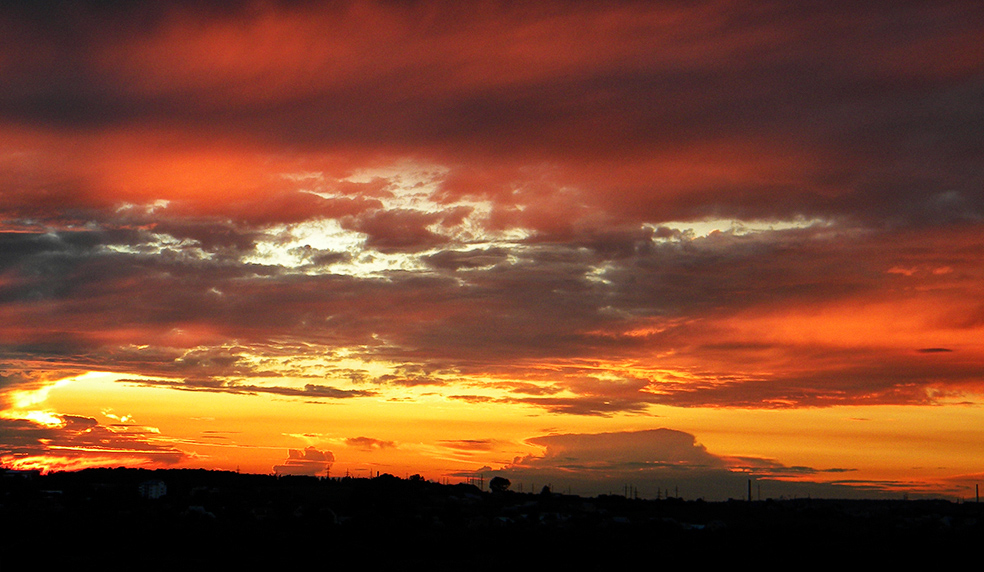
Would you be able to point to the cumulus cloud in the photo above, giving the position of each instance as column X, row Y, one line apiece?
column 665, row 462
column 659, row 448
column 309, row 462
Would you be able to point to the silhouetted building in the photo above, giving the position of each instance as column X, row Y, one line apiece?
column 154, row 489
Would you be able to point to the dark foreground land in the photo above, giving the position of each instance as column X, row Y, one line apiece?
column 206, row 519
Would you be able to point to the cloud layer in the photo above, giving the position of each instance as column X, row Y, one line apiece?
column 582, row 209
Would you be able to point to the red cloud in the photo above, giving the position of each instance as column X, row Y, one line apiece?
column 141, row 165
column 80, row 442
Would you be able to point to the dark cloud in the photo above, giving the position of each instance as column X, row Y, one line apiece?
column 310, row 390
column 601, row 405
column 771, row 469
column 451, row 260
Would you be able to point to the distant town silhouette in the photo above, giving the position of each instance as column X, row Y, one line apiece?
column 194, row 518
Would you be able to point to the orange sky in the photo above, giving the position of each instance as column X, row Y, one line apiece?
column 583, row 245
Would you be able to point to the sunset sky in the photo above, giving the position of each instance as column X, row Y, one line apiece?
column 672, row 245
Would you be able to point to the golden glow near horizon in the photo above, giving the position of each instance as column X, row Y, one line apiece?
column 936, row 448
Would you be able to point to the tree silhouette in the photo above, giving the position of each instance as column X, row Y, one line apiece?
column 499, row 484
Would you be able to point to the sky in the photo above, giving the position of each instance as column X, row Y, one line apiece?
column 608, row 247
